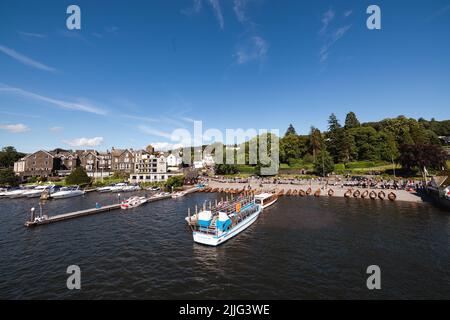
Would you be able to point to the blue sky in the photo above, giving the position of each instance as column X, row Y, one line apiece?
column 138, row 70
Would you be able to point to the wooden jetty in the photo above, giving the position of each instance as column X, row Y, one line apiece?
column 87, row 212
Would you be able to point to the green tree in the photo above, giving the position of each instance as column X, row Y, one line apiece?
column 348, row 150
column 78, row 177
column 315, row 141
column 292, row 146
column 366, row 140
column 324, row 164
column 334, row 137
column 351, row 121
column 290, row 130
column 9, row 155
column 175, row 182
column 8, row 178
column 225, row 169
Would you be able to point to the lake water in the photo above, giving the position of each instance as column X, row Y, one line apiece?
column 300, row 248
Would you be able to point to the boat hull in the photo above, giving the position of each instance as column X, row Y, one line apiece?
column 213, row 240
column 270, row 203
column 67, row 195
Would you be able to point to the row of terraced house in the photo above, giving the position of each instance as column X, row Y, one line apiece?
column 141, row 165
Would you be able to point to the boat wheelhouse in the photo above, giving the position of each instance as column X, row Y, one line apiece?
column 220, row 223
column 266, row 199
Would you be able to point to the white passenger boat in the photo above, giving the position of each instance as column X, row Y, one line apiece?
column 68, row 192
column 36, row 192
column 133, row 202
column 219, row 224
column 266, row 199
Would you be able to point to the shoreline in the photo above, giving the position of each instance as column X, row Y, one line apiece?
column 339, row 191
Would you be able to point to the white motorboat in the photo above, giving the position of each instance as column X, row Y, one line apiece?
column 266, row 199
column 68, row 192
column 105, row 189
column 133, row 202
column 131, row 188
column 153, row 189
column 17, row 193
column 36, row 192
column 178, row 194
column 3, row 192
column 118, row 187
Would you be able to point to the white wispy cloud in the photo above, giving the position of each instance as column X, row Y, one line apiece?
column 442, row 10
column 255, row 48
column 21, row 115
column 154, row 132
column 239, row 10
column 84, row 142
column 332, row 38
column 327, row 17
column 141, row 118
column 215, row 4
column 348, row 13
column 15, row 128
column 31, row 34
column 81, row 105
column 166, row 146
column 56, row 129
column 25, row 60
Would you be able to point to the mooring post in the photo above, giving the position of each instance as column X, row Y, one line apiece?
column 32, row 214
column 195, row 209
column 189, row 214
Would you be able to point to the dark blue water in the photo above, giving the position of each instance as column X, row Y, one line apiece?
column 301, row 248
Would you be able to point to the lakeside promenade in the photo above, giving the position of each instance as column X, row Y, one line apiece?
column 339, row 190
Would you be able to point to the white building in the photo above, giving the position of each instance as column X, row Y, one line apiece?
column 174, row 160
column 149, row 168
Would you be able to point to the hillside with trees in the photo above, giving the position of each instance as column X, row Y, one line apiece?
column 387, row 141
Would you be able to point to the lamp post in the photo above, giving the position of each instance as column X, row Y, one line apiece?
column 393, row 165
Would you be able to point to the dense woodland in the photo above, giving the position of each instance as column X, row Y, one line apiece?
column 415, row 144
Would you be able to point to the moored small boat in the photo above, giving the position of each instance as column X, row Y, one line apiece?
column 266, row 199
column 317, row 193
column 392, row 196
column 373, row 195
column 68, row 192
column 381, row 195
column 178, row 194
column 301, row 193
column 330, row 192
column 37, row 192
column 308, row 191
column 365, row 194
column 356, row 194
column 133, row 202
column 348, row 193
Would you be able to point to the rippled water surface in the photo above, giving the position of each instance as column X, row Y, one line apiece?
column 301, row 248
